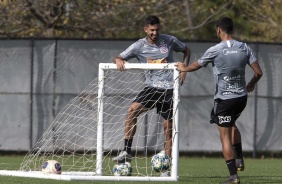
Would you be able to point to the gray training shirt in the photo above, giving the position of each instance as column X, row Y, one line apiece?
column 229, row 59
column 146, row 52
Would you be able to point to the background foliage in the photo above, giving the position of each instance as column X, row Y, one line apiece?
column 255, row 20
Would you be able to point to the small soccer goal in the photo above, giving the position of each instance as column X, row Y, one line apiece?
column 89, row 131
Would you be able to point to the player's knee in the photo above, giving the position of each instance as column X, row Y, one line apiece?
column 135, row 109
column 132, row 110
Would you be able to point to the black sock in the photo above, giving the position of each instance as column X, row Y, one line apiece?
column 127, row 145
column 231, row 166
column 238, row 151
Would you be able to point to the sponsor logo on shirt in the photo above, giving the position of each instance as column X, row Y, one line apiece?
column 233, row 85
column 162, row 84
column 238, row 91
column 156, row 61
column 227, row 52
column 224, row 119
column 227, row 78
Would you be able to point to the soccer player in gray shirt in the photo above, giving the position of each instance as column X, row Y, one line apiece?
column 229, row 59
column 158, row 91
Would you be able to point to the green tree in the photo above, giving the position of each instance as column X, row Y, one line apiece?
column 255, row 20
column 264, row 19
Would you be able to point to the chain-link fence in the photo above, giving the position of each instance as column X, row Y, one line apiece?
column 39, row 77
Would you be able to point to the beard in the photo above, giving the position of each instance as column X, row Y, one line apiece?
column 154, row 37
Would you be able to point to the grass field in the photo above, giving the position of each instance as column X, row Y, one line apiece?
column 191, row 170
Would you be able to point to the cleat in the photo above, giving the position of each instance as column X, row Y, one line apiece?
column 240, row 165
column 122, row 157
column 232, row 181
column 165, row 174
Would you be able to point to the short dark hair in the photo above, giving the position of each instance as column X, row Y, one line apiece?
column 152, row 20
column 226, row 24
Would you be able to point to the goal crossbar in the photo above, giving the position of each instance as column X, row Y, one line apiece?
column 140, row 66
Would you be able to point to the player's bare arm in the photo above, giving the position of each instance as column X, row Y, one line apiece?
column 257, row 75
column 186, row 56
column 186, row 59
column 120, row 63
column 193, row 67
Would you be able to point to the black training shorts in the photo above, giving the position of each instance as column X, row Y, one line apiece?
column 160, row 98
column 226, row 112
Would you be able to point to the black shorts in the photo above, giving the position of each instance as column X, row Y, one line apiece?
column 161, row 99
column 226, row 112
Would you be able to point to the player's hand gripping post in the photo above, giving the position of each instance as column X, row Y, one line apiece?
column 120, row 63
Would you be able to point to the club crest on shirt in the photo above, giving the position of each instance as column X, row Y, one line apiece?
column 163, row 46
column 163, row 49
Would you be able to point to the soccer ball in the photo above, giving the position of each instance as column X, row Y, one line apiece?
column 51, row 167
column 160, row 162
column 122, row 169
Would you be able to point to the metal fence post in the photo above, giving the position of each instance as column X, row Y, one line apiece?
column 31, row 94
column 255, row 113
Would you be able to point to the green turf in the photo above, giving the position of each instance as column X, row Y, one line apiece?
column 191, row 170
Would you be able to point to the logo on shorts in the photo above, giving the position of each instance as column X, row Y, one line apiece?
column 224, row 119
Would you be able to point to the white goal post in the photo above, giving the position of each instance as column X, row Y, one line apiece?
column 89, row 131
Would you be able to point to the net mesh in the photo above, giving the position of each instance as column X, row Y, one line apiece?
column 72, row 137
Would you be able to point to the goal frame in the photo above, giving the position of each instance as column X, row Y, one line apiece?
column 98, row 175
column 175, row 133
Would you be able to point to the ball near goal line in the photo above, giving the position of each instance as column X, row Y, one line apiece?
column 122, row 169
column 51, row 167
column 160, row 162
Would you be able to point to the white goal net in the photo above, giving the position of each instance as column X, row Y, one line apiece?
column 89, row 131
